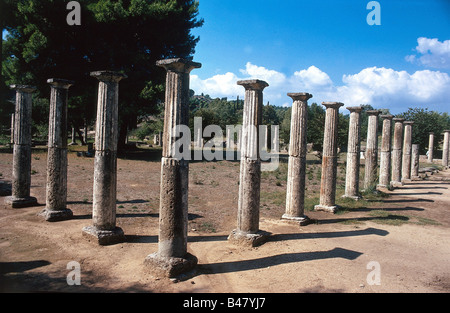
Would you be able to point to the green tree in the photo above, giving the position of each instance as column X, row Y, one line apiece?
column 125, row 35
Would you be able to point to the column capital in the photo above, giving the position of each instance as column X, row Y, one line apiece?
column 398, row 119
column 373, row 112
column 60, row 83
column 356, row 109
column 302, row 96
column 333, row 105
column 447, row 131
column 108, row 76
column 431, row 133
column 23, row 88
column 408, row 123
column 387, row 116
column 178, row 65
column 253, row 84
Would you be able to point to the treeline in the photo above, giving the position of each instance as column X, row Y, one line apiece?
column 222, row 112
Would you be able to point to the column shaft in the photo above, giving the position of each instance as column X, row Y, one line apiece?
column 397, row 152
column 430, row 148
column 385, row 157
column 329, row 159
column 56, row 191
column 415, row 158
column 445, row 149
column 105, row 162
column 295, row 187
column 353, row 154
column 21, row 174
column 407, row 147
column 371, row 161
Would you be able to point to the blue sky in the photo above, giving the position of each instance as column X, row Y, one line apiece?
column 327, row 48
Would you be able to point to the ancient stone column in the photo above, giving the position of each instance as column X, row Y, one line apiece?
column 415, row 157
column 397, row 152
column 56, row 197
column 430, row 148
column 445, row 149
column 329, row 159
column 385, row 158
column 104, row 229
column 295, row 187
column 21, row 173
column 172, row 257
column 353, row 154
column 407, row 147
column 247, row 232
column 371, row 163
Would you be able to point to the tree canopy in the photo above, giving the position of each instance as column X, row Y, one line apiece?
column 125, row 35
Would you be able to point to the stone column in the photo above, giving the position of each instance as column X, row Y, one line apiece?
column 445, row 149
column 21, row 173
column 430, row 148
column 385, row 158
column 56, row 198
column 371, row 162
column 247, row 232
column 353, row 154
column 172, row 257
column 407, row 147
column 104, row 229
column 397, row 152
column 415, row 156
column 295, row 187
column 329, row 159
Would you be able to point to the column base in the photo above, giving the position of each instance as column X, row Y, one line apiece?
column 356, row 198
column 248, row 240
column 416, row 178
column 396, row 184
column 104, row 237
column 406, row 180
column 331, row 209
column 21, row 202
column 56, row 215
column 169, row 267
column 302, row 220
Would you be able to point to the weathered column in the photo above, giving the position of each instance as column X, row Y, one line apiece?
column 415, row 157
column 445, row 149
column 385, row 158
column 407, row 147
column 56, row 198
column 353, row 154
column 172, row 257
column 430, row 148
column 295, row 187
column 397, row 152
column 329, row 159
column 371, row 162
column 104, row 228
column 247, row 232
column 21, row 173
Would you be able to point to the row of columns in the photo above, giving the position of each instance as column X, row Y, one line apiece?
column 172, row 257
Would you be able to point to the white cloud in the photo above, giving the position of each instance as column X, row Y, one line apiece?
column 378, row 86
column 434, row 53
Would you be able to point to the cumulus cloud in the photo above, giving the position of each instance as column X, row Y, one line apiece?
column 432, row 53
column 378, row 86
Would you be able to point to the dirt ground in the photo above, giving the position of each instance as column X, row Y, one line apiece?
column 406, row 235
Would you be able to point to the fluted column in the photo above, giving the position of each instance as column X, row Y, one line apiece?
column 353, row 154
column 172, row 257
column 21, row 174
column 247, row 232
column 295, row 187
column 415, row 158
column 371, row 161
column 445, row 150
column 397, row 152
column 407, row 147
column 385, row 158
column 104, row 229
column 56, row 192
column 329, row 159
column 430, row 148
